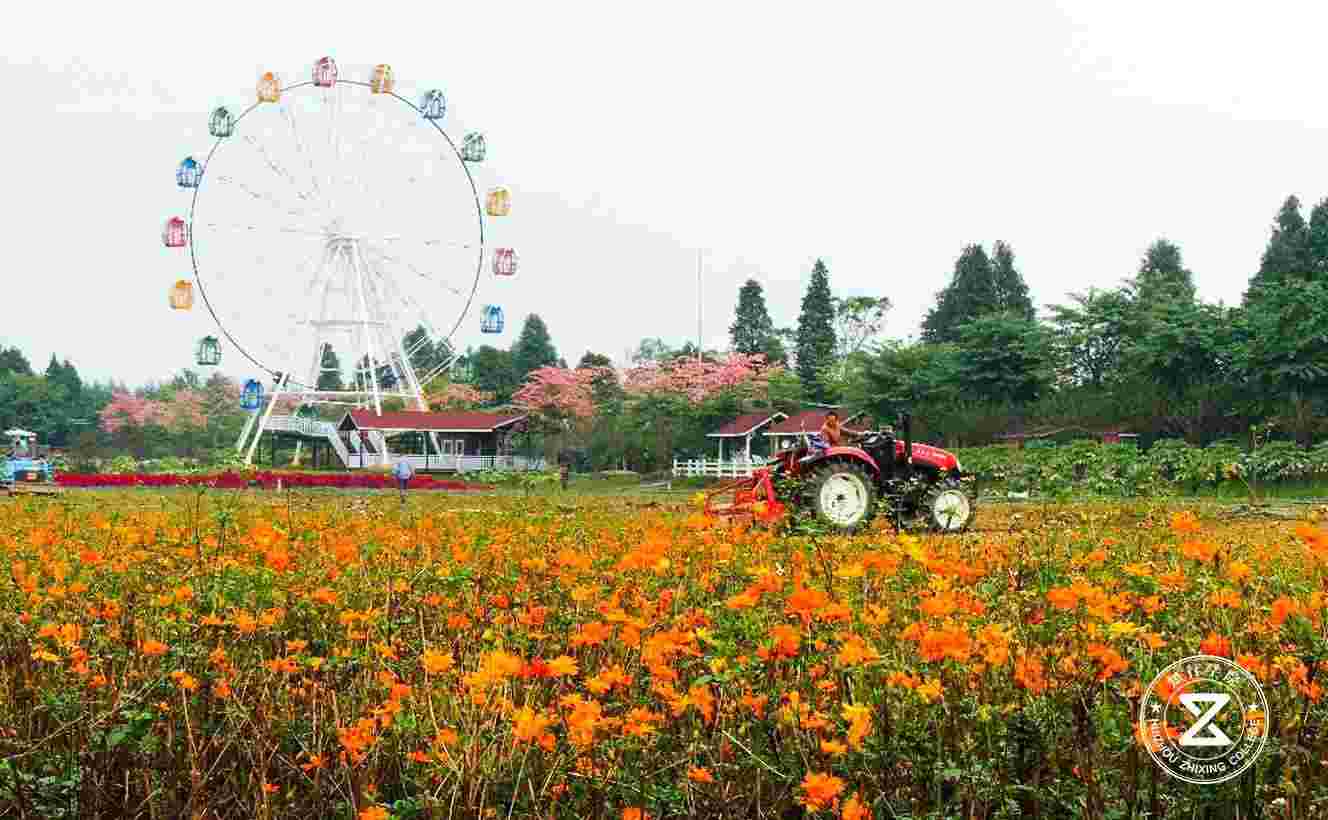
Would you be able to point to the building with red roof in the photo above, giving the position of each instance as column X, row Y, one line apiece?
column 444, row 441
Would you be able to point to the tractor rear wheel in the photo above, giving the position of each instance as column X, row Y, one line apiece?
column 843, row 494
column 947, row 507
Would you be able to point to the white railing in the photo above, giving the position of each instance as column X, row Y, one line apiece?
column 467, row 464
column 314, row 428
column 713, row 467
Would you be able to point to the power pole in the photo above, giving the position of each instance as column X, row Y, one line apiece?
column 698, row 306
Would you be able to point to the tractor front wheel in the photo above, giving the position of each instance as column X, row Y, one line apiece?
column 843, row 495
column 947, row 507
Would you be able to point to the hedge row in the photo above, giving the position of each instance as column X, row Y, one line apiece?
column 1125, row 471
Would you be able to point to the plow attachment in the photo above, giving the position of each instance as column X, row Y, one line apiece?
column 752, row 497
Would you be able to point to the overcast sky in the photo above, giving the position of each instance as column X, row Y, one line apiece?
column 881, row 137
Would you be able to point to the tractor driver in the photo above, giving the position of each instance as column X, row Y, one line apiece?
column 832, row 433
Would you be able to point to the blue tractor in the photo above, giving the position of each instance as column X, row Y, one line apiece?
column 23, row 471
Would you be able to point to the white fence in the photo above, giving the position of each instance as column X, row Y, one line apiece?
column 715, row 468
column 461, row 464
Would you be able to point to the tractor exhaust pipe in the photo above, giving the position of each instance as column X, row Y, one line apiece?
column 906, row 422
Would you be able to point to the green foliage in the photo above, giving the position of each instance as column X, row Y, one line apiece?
column 1004, row 357
column 533, row 349
column 1091, row 334
column 1288, row 252
column 1162, row 275
column 816, row 335
column 1169, row 467
column 752, row 331
column 329, row 374
column 493, row 372
column 1011, row 289
column 979, row 285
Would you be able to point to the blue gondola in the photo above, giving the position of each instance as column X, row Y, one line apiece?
column 188, row 174
column 251, row 398
column 433, row 105
column 491, row 320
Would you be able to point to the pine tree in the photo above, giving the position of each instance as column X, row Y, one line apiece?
column 970, row 294
column 1011, row 289
column 752, row 330
column 1288, row 251
column 1319, row 239
column 816, row 334
column 1162, row 275
column 329, row 377
column 533, row 348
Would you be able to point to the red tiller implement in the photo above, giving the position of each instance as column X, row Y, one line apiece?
column 752, row 496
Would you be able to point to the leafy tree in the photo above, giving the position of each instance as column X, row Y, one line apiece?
column 752, row 330
column 1288, row 251
column 1092, row 333
column 329, row 376
column 1005, row 357
column 1011, row 290
column 13, row 361
column 904, row 377
column 652, row 350
column 493, row 372
column 1162, row 275
column 1283, row 348
column 594, row 360
column 1186, row 349
column 533, row 348
column 970, row 294
column 816, row 334
column 858, row 320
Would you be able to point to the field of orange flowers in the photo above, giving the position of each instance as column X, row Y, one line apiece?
column 218, row 654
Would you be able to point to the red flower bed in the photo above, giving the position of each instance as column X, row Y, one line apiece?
column 267, row 480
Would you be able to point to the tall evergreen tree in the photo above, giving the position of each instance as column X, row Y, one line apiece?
column 816, row 334
column 1288, row 251
column 1319, row 238
column 533, row 348
column 970, row 294
column 329, row 377
column 1011, row 289
column 591, row 359
column 752, row 329
column 1162, row 275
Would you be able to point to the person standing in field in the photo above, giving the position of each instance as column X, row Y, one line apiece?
column 404, row 472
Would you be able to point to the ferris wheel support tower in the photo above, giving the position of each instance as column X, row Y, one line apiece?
column 350, row 296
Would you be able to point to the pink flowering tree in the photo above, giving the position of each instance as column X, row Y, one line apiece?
column 698, row 381
column 457, row 396
column 127, row 409
column 560, row 401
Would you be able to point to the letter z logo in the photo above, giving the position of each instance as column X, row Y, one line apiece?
column 1215, row 736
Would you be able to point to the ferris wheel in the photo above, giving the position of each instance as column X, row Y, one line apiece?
column 340, row 238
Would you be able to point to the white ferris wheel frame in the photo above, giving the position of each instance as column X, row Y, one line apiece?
column 348, row 258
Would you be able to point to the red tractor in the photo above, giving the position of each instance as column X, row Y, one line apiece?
column 847, row 486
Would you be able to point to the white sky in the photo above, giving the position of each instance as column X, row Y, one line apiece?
column 880, row 136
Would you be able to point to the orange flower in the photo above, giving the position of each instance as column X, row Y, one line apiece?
column 855, row 809
column 1184, row 523
column 1283, row 608
column 562, row 666
column 153, row 648
column 635, row 814
column 1063, row 598
column 1216, row 645
column 697, row 774
column 374, row 813
column 820, row 790
column 435, row 662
